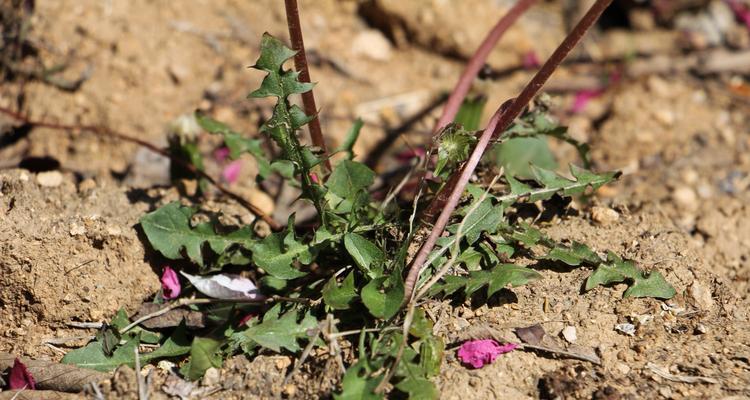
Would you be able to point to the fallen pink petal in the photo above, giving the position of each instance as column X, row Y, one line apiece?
column 170, row 284
column 530, row 60
column 314, row 178
column 221, row 154
column 20, row 378
column 741, row 12
column 232, row 171
column 478, row 353
column 583, row 98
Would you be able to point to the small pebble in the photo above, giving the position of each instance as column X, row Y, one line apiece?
column 77, row 230
column 569, row 334
column 685, row 197
column 290, row 390
column 372, row 44
column 49, row 178
column 211, row 377
column 702, row 296
column 604, row 215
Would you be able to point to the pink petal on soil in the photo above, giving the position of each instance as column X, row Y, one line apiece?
column 221, row 154
column 170, row 284
column 582, row 99
column 741, row 12
column 478, row 353
column 232, row 171
column 20, row 377
column 530, row 60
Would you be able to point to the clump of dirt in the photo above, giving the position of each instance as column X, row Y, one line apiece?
column 67, row 253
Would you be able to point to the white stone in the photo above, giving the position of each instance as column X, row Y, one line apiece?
column 49, row 178
column 372, row 44
column 569, row 334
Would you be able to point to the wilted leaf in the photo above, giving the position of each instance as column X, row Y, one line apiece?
column 92, row 356
column 225, row 286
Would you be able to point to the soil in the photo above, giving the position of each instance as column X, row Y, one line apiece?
column 71, row 252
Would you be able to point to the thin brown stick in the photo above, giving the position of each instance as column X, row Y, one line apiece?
column 107, row 132
column 300, row 64
column 477, row 61
column 500, row 121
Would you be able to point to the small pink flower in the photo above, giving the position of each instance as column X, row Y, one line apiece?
column 530, row 60
column 583, row 98
column 170, row 284
column 478, row 353
column 314, row 178
column 232, row 171
column 221, row 154
column 20, row 378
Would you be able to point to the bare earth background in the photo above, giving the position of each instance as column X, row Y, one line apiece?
column 69, row 249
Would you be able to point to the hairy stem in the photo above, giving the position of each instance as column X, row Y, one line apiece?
column 300, row 64
column 477, row 61
column 106, row 132
column 500, row 121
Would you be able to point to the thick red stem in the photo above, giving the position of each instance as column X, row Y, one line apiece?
column 300, row 64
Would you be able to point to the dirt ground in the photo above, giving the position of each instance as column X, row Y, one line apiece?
column 70, row 250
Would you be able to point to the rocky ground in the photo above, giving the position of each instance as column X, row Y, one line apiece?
column 70, row 250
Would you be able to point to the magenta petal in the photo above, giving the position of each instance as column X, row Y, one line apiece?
column 478, row 353
column 530, row 60
column 20, row 378
column 314, row 178
column 170, row 284
column 582, row 99
column 232, row 171
column 221, row 154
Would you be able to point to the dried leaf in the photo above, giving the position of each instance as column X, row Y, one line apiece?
column 225, row 286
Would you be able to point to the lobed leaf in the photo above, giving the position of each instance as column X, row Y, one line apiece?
column 640, row 283
column 169, row 231
column 495, row 279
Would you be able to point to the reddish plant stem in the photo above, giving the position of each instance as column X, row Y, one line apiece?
column 106, row 132
column 300, row 64
column 477, row 61
column 500, row 121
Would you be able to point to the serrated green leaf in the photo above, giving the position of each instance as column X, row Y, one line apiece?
column 495, row 279
column 383, row 301
column 357, row 383
column 278, row 83
column 169, row 231
column 348, row 178
column 641, row 284
column 204, row 354
column 368, row 257
column 485, row 218
column 340, row 297
column 278, row 331
column 574, row 255
column 277, row 252
column 92, row 356
column 551, row 183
